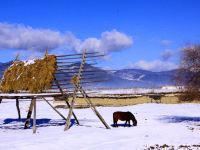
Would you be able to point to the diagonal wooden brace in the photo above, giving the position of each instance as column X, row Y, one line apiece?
column 87, row 99
column 66, row 101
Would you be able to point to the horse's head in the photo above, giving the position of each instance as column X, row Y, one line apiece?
column 134, row 121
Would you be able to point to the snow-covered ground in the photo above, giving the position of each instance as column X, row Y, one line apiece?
column 171, row 124
column 165, row 89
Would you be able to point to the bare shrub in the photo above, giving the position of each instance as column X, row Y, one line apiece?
column 189, row 73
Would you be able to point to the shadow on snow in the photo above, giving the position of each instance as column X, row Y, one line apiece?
column 122, row 125
column 12, row 123
column 179, row 119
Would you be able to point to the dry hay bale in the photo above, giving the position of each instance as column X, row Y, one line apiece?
column 33, row 76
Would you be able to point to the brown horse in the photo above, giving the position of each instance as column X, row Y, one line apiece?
column 124, row 116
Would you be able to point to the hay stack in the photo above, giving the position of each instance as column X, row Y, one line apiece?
column 33, row 76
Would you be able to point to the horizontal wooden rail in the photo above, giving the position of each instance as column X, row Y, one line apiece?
column 89, row 53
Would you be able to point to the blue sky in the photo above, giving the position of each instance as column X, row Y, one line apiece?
column 146, row 34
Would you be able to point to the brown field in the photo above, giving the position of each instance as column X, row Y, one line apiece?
column 80, row 102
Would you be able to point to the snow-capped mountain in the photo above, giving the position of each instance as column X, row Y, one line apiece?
column 145, row 78
column 124, row 78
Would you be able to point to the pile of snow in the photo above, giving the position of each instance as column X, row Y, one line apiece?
column 172, row 124
column 29, row 62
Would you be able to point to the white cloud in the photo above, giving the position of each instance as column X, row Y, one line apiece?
column 21, row 37
column 165, row 42
column 167, row 54
column 109, row 41
column 25, row 37
column 156, row 65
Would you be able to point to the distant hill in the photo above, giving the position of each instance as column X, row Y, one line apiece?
column 143, row 78
column 124, row 78
column 3, row 67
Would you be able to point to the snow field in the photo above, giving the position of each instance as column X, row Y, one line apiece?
column 157, row 124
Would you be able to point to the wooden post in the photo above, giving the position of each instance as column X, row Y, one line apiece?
column 87, row 99
column 18, row 110
column 72, row 112
column 76, row 83
column 34, row 116
column 67, row 125
column 29, row 115
column 54, row 109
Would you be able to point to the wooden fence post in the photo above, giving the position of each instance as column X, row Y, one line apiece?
column 34, row 116
column 29, row 115
column 18, row 110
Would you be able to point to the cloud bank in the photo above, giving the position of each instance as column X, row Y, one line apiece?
column 21, row 37
column 156, row 65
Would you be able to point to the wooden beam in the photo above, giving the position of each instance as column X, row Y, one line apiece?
column 29, row 115
column 66, row 99
column 34, row 116
column 76, row 85
column 63, row 65
column 87, row 99
column 66, row 68
column 71, row 62
column 82, row 78
column 71, row 75
column 54, row 108
column 72, row 112
column 83, row 72
column 88, row 57
column 96, row 81
column 18, row 110
column 67, row 125
column 89, row 53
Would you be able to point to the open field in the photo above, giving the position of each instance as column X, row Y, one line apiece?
column 80, row 102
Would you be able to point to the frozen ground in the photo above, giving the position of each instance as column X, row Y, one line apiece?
column 174, row 125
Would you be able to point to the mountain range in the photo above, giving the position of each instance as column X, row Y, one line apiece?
column 124, row 78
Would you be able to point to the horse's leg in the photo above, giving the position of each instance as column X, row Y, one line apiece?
column 129, row 123
column 125, row 123
column 114, row 122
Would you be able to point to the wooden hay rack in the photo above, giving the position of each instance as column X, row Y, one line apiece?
column 69, row 79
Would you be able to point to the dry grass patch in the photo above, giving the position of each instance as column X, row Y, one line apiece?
column 121, row 102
